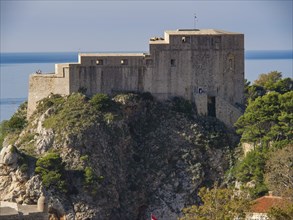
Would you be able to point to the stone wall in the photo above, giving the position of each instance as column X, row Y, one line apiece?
column 181, row 64
column 226, row 112
column 35, row 216
column 14, row 211
column 31, row 216
column 201, row 101
column 42, row 85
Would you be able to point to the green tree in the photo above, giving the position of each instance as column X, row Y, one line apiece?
column 284, row 85
column 251, row 168
column 267, row 119
column 268, row 80
column 251, row 92
column 51, row 169
column 221, row 204
column 89, row 176
column 265, row 83
column 92, row 181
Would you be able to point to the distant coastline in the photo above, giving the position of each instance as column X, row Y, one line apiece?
column 12, row 101
column 64, row 57
column 8, row 106
column 269, row 54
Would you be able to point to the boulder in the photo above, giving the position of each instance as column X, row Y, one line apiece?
column 9, row 156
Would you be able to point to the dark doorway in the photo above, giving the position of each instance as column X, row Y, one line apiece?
column 212, row 106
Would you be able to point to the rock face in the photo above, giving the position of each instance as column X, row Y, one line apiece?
column 145, row 156
column 8, row 156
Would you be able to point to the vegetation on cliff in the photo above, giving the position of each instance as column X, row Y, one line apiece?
column 267, row 125
column 126, row 156
column 218, row 203
column 121, row 157
column 51, row 169
column 14, row 125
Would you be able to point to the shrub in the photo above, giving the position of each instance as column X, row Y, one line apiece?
column 4, row 129
column 182, row 105
column 49, row 101
column 84, row 158
column 92, row 181
column 101, row 102
column 89, row 176
column 15, row 124
column 51, row 169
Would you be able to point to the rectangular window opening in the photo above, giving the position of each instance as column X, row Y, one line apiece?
column 173, row 62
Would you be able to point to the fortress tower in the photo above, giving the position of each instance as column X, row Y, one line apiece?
column 203, row 66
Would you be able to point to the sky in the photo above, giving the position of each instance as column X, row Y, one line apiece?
column 53, row 26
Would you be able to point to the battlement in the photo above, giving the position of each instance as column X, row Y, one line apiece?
column 182, row 63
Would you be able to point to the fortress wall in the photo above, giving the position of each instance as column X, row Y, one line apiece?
column 228, row 77
column 201, row 103
column 112, row 59
column 204, row 71
column 234, row 70
column 84, row 77
column 201, row 62
column 182, row 64
column 10, row 217
column 35, row 216
column 239, row 78
column 115, row 79
column 110, row 74
column 182, row 75
column 42, row 85
column 157, row 74
column 226, row 112
column 9, row 204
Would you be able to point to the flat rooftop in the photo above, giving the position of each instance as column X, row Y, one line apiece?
column 199, row 32
column 112, row 54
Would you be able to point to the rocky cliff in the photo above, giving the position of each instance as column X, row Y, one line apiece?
column 119, row 158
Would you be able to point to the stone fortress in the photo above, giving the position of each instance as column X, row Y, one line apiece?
column 203, row 66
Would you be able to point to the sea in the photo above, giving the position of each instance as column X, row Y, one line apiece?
column 15, row 69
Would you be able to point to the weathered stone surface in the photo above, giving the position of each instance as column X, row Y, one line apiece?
column 45, row 137
column 208, row 68
column 34, row 189
column 150, row 159
column 9, row 156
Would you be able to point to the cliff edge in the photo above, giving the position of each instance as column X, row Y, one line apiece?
column 123, row 157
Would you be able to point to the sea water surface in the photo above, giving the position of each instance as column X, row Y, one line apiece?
column 15, row 69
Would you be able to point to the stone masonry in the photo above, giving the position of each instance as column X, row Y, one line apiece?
column 203, row 66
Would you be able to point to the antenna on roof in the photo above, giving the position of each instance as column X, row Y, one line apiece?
column 195, row 19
